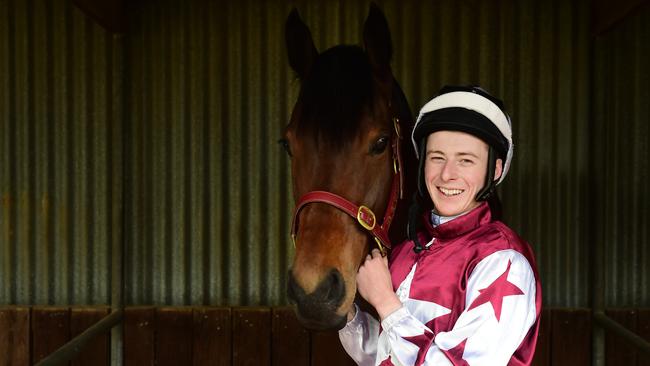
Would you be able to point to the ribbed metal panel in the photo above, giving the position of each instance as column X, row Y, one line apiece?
column 208, row 90
column 211, row 91
column 208, row 201
column 621, row 164
column 60, row 174
column 547, row 84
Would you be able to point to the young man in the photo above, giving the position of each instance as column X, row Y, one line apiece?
column 465, row 289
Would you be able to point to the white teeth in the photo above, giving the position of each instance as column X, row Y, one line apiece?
column 450, row 192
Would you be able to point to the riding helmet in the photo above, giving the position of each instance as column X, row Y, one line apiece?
column 472, row 110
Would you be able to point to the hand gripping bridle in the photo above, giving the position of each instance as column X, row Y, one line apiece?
column 364, row 215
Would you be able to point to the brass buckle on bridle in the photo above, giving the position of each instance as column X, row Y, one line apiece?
column 370, row 225
column 362, row 221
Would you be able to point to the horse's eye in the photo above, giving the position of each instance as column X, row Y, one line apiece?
column 285, row 145
column 379, row 146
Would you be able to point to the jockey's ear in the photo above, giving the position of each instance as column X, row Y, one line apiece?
column 377, row 42
column 300, row 46
column 498, row 169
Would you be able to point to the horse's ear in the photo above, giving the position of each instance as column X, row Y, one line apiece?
column 377, row 42
column 300, row 46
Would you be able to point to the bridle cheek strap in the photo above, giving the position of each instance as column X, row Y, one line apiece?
column 364, row 215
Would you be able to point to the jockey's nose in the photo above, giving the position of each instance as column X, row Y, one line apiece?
column 448, row 171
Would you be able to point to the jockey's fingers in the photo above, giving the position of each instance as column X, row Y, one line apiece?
column 376, row 253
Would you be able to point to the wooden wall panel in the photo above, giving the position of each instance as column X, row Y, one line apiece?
column 571, row 337
column 260, row 336
column 14, row 336
column 643, row 328
column 251, row 336
column 139, row 325
column 543, row 349
column 50, row 330
column 174, row 336
column 326, row 350
column 96, row 352
column 212, row 336
column 617, row 350
column 290, row 342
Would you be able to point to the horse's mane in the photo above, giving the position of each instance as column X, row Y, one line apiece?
column 334, row 94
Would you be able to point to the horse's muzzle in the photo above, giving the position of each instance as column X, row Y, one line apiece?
column 318, row 309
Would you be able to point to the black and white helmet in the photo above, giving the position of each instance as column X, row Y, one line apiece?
column 472, row 110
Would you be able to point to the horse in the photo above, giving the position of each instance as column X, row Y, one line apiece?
column 349, row 163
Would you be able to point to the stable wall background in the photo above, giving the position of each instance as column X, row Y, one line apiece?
column 159, row 146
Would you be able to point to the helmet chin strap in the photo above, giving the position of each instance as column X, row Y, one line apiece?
column 413, row 226
column 416, row 210
column 422, row 186
column 490, row 183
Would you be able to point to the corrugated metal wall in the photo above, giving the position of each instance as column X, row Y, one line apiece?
column 207, row 91
column 208, row 194
column 212, row 91
column 60, row 164
column 621, row 159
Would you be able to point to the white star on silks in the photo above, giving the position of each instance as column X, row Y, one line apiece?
column 425, row 311
column 495, row 293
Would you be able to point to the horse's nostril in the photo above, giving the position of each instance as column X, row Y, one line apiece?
column 330, row 292
column 336, row 287
column 294, row 292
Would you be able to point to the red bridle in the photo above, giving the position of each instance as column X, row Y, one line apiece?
column 364, row 215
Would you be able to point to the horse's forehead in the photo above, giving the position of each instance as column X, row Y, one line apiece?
column 337, row 95
column 333, row 140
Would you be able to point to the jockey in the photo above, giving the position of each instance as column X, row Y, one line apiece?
column 464, row 288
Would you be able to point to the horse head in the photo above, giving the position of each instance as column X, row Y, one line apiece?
column 344, row 140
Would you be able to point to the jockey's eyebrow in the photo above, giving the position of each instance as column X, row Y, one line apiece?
column 460, row 154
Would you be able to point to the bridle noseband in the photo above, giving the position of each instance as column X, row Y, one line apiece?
column 364, row 215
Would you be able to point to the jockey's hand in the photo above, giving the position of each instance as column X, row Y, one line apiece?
column 375, row 285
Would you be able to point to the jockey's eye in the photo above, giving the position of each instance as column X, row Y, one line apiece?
column 379, row 146
column 285, row 145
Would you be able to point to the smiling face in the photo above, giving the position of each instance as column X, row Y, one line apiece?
column 455, row 170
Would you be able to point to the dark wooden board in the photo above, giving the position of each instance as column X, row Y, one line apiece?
column 571, row 337
column 326, row 349
column 290, row 342
column 643, row 330
column 50, row 330
column 139, row 325
column 251, row 336
column 543, row 348
column 97, row 351
column 212, row 336
column 14, row 336
column 174, row 336
column 617, row 350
